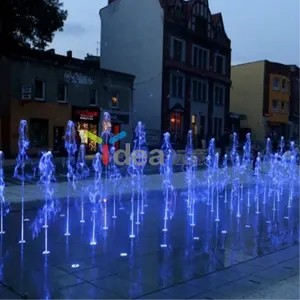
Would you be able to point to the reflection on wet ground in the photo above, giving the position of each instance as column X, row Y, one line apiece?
column 120, row 267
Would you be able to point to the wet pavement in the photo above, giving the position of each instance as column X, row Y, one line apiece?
column 154, row 264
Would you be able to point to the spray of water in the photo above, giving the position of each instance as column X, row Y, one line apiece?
column 19, row 171
column 190, row 176
column 50, row 207
column 114, row 177
column 4, row 205
column 166, row 171
column 71, row 147
column 95, row 194
column 138, row 161
column 82, row 172
column 210, row 165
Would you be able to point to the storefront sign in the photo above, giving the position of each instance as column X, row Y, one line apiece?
column 78, row 78
column 120, row 118
column 86, row 115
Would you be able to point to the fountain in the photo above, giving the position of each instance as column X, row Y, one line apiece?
column 2, row 199
column 114, row 177
column 138, row 161
column 106, row 135
column 166, row 171
column 95, row 194
column 82, row 172
column 190, row 178
column 71, row 147
column 46, row 169
column 22, row 158
column 210, row 165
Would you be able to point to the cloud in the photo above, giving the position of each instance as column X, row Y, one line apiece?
column 74, row 28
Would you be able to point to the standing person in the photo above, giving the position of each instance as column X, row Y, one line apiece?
column 255, row 155
column 78, row 143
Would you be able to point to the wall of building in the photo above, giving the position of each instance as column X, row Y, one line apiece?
column 247, row 96
column 56, row 114
column 134, row 45
column 279, row 95
column 115, row 84
column 79, row 85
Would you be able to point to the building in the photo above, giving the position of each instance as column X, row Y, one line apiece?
column 47, row 90
column 261, row 90
column 181, row 57
column 295, row 101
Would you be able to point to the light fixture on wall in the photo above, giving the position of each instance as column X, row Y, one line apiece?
column 114, row 101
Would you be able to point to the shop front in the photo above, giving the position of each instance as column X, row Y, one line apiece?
column 87, row 119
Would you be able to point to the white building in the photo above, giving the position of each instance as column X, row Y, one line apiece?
column 156, row 41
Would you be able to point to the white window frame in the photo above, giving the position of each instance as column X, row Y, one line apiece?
column 44, row 89
column 224, row 62
column 198, row 65
column 65, row 94
column 224, row 96
column 96, row 96
column 171, row 85
column 275, row 88
column 182, row 48
column 203, row 82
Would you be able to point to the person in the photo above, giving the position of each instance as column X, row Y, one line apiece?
column 78, row 143
column 255, row 155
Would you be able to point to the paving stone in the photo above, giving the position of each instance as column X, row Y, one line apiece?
column 123, row 286
column 92, row 274
column 157, row 295
column 182, row 291
column 84, row 291
column 208, row 282
column 210, row 295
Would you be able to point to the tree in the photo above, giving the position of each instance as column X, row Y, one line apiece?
column 31, row 22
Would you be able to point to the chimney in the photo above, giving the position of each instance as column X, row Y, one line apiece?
column 69, row 54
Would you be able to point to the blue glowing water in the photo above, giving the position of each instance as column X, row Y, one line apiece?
column 166, row 171
column 19, row 172
column 51, row 207
column 71, row 148
column 82, row 173
column 138, row 161
column 4, row 210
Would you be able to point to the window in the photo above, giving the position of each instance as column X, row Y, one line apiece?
column 275, row 83
column 199, row 91
column 282, row 106
column 283, row 84
column 39, row 89
column 202, row 126
column 219, row 95
column 275, row 105
column 114, row 101
column 219, row 66
column 178, row 49
column 94, row 96
column 62, row 92
column 200, row 57
column 38, row 132
column 177, row 86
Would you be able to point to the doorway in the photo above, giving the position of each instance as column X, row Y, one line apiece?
column 58, row 145
column 116, row 129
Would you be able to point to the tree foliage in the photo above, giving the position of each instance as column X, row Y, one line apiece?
column 31, row 22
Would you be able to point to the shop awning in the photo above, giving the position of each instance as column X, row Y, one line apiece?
column 238, row 116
